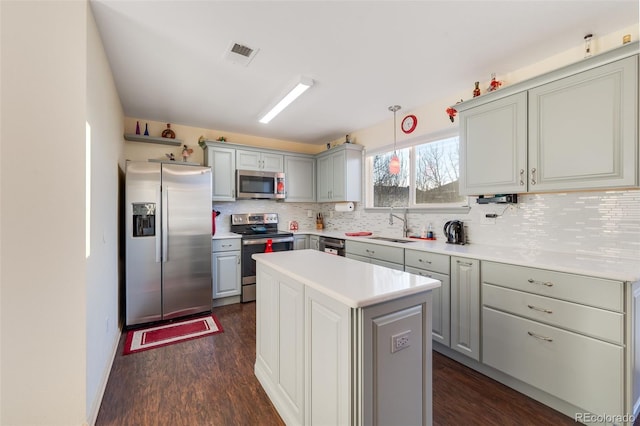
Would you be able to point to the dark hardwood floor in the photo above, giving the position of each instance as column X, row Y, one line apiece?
column 210, row 381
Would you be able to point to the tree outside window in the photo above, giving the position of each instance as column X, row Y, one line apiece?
column 428, row 176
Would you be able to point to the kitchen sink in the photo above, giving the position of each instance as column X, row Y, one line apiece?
column 391, row 240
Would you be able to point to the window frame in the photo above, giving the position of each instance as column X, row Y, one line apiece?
column 368, row 155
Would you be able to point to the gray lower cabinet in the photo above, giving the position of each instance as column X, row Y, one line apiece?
column 226, row 271
column 300, row 242
column 561, row 333
column 434, row 266
column 378, row 254
column 465, row 306
column 314, row 242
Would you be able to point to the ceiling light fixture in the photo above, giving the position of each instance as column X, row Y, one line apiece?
column 300, row 88
column 394, row 164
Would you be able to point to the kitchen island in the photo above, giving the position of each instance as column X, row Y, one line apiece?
column 343, row 342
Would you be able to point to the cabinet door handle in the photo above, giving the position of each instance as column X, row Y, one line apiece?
column 535, row 308
column 533, row 176
column 538, row 336
column 370, row 251
column 425, row 261
column 238, row 257
column 464, row 263
column 425, row 275
column 522, row 177
column 546, row 283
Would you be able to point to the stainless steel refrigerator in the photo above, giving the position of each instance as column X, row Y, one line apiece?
column 168, row 241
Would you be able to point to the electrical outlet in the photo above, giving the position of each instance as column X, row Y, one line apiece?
column 487, row 220
column 400, row 341
column 309, row 213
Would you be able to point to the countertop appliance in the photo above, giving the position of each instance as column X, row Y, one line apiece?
column 252, row 184
column 256, row 230
column 168, row 241
column 332, row 245
column 454, row 231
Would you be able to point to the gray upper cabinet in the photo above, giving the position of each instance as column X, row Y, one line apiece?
column 258, row 160
column 493, row 147
column 340, row 174
column 572, row 129
column 583, row 130
column 300, row 179
column 223, row 165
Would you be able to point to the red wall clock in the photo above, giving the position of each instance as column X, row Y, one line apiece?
column 409, row 123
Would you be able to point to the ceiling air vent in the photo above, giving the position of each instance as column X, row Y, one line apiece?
column 240, row 54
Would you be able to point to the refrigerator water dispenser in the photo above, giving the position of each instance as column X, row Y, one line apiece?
column 144, row 219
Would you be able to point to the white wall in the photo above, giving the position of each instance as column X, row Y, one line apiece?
column 59, row 283
column 42, row 157
column 105, row 120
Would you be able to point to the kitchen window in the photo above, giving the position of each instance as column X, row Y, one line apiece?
column 428, row 178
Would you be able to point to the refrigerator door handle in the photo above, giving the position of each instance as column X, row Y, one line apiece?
column 165, row 224
column 157, row 224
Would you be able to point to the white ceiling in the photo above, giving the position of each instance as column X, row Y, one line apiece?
column 168, row 57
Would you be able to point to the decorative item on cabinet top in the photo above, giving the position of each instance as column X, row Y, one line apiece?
column 168, row 133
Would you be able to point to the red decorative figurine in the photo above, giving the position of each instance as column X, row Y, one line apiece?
column 494, row 84
column 451, row 111
column 476, row 91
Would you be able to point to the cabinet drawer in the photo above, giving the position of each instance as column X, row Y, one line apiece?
column 583, row 371
column 425, row 260
column 606, row 294
column 375, row 251
column 583, row 319
column 227, row 244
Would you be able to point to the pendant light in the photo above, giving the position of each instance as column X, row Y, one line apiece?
column 394, row 164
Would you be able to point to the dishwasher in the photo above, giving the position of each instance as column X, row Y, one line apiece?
column 332, row 245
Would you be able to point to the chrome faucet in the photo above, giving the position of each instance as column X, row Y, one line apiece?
column 405, row 225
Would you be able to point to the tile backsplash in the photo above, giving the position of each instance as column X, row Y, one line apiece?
column 594, row 223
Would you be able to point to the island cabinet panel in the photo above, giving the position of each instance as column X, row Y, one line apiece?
column 328, row 339
column 324, row 358
column 279, row 343
column 391, row 386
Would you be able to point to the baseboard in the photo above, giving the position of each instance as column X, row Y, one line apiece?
column 225, row 301
column 103, row 385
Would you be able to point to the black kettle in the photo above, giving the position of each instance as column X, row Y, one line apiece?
column 454, row 230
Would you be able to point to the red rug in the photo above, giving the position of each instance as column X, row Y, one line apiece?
column 168, row 334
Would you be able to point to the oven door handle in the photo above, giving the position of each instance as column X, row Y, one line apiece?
column 264, row 241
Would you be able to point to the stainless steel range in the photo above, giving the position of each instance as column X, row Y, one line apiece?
column 257, row 229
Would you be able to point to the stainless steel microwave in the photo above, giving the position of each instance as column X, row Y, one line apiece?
column 253, row 184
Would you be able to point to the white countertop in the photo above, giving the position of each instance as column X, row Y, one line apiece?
column 354, row 283
column 576, row 263
column 613, row 268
